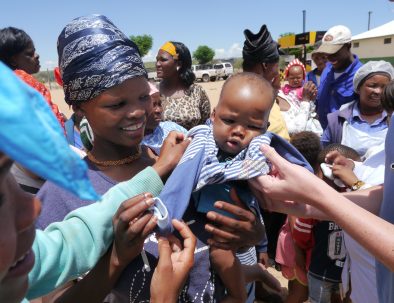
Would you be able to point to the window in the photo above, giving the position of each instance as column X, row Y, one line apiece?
column 356, row 44
column 387, row 41
column 228, row 65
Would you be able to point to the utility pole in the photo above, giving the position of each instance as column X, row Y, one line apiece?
column 369, row 19
column 303, row 31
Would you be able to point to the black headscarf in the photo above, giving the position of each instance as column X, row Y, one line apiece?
column 260, row 47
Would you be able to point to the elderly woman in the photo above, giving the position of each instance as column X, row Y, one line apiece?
column 362, row 123
column 184, row 102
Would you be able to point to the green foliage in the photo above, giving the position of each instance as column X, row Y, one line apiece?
column 44, row 76
column 203, row 54
column 237, row 64
column 143, row 42
column 286, row 34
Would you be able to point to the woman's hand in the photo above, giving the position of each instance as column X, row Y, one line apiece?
column 287, row 181
column 170, row 153
column 132, row 223
column 309, row 93
column 233, row 234
column 174, row 264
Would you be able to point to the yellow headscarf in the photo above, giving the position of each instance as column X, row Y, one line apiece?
column 171, row 49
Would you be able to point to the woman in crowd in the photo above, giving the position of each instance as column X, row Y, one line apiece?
column 362, row 123
column 17, row 51
column 117, row 110
column 60, row 253
column 184, row 102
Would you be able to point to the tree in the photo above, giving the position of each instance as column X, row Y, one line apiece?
column 203, row 54
column 286, row 34
column 143, row 42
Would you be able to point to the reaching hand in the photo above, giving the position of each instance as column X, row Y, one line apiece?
column 342, row 167
column 309, row 93
column 174, row 264
column 288, row 181
column 132, row 224
column 232, row 233
column 170, row 153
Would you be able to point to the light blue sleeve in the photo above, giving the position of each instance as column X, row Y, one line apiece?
column 67, row 249
column 326, row 137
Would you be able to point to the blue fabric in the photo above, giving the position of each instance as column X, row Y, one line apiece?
column 358, row 122
column 200, row 166
column 155, row 140
column 333, row 93
column 73, row 137
column 94, row 55
column 311, row 76
column 32, row 136
column 384, row 276
column 350, row 113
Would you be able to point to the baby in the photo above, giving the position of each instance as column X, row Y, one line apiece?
column 295, row 74
column 219, row 155
column 296, row 101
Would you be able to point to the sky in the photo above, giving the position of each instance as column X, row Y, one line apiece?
column 216, row 23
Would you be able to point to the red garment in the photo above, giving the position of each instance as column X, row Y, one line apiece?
column 303, row 236
column 41, row 88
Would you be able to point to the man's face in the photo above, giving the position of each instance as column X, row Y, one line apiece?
column 341, row 59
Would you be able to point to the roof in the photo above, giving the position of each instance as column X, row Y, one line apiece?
column 383, row 30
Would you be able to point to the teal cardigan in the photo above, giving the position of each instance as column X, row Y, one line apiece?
column 68, row 249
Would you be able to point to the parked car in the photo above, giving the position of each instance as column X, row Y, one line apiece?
column 225, row 69
column 205, row 72
column 153, row 76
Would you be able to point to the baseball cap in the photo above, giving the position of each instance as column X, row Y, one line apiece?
column 334, row 39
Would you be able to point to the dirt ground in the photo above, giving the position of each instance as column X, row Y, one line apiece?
column 213, row 90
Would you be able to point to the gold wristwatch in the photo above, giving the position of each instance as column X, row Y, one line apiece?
column 357, row 185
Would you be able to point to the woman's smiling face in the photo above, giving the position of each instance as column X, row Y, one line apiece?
column 119, row 114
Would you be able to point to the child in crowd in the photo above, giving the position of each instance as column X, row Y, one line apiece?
column 326, row 237
column 222, row 153
column 156, row 130
column 296, row 100
column 294, row 260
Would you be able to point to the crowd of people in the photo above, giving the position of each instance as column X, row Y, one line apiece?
column 146, row 193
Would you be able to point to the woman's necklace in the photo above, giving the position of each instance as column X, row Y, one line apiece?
column 123, row 161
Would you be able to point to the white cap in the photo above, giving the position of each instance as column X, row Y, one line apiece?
column 334, row 39
column 372, row 67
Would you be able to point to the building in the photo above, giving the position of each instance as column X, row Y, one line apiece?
column 375, row 44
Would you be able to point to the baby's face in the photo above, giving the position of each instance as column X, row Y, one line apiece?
column 241, row 115
column 295, row 77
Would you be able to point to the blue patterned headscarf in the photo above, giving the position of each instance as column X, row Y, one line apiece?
column 31, row 135
column 94, row 55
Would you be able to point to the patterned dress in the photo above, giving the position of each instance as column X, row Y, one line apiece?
column 190, row 110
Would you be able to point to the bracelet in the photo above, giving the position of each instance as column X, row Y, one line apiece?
column 357, row 185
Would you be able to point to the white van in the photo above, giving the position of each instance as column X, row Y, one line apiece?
column 225, row 69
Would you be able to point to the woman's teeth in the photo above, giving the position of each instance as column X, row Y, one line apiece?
column 133, row 126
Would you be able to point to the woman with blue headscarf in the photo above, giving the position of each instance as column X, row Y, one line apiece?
column 69, row 248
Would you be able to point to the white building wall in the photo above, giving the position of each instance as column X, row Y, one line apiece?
column 374, row 47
